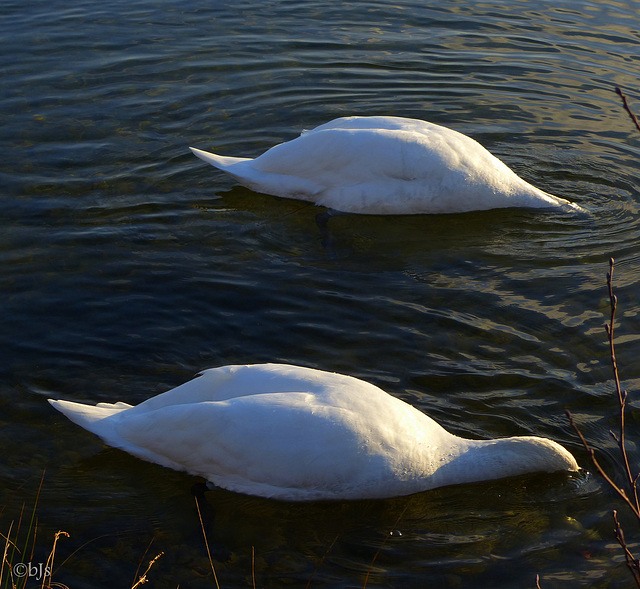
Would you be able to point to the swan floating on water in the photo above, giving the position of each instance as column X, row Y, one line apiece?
column 294, row 433
column 386, row 166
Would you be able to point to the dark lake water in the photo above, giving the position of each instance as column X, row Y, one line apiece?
column 127, row 265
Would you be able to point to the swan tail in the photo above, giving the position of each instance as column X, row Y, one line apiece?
column 571, row 207
column 218, row 161
column 103, row 421
column 243, row 170
column 563, row 205
column 93, row 418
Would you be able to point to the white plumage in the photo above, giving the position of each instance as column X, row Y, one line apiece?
column 295, row 433
column 386, row 165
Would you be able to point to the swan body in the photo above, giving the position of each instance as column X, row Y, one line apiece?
column 386, row 165
column 295, row 433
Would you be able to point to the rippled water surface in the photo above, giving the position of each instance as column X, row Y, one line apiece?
column 128, row 265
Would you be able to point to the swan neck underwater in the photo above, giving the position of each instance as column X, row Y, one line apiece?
column 387, row 165
column 503, row 458
column 299, row 434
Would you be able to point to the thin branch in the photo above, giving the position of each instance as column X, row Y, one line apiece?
column 622, row 395
column 625, row 104
column 631, row 500
column 632, row 561
column 599, row 468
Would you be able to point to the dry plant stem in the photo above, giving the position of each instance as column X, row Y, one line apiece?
column 14, row 545
column 143, row 579
column 599, row 468
column 622, row 395
column 46, row 578
column 136, row 576
column 324, row 556
column 206, row 543
column 87, row 544
column 383, row 544
column 33, row 517
column 627, row 108
column 253, row 567
column 632, row 562
column 6, row 550
column 630, row 498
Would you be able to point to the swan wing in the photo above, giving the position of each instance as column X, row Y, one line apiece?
column 281, row 445
column 229, row 382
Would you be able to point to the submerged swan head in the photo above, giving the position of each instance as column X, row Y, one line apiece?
column 295, row 433
column 494, row 459
column 386, row 165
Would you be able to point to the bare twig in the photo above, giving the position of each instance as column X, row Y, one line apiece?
column 632, row 561
column 625, row 104
column 599, row 468
column 622, row 395
column 629, row 496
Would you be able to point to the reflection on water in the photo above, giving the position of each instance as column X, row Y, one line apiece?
column 127, row 266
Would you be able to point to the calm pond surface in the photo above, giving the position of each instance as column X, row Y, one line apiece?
column 127, row 265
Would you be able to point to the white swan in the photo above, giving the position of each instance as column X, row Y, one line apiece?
column 386, row 165
column 295, row 433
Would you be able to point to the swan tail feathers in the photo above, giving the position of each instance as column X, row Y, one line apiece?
column 90, row 417
column 260, row 180
column 103, row 421
column 218, row 161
